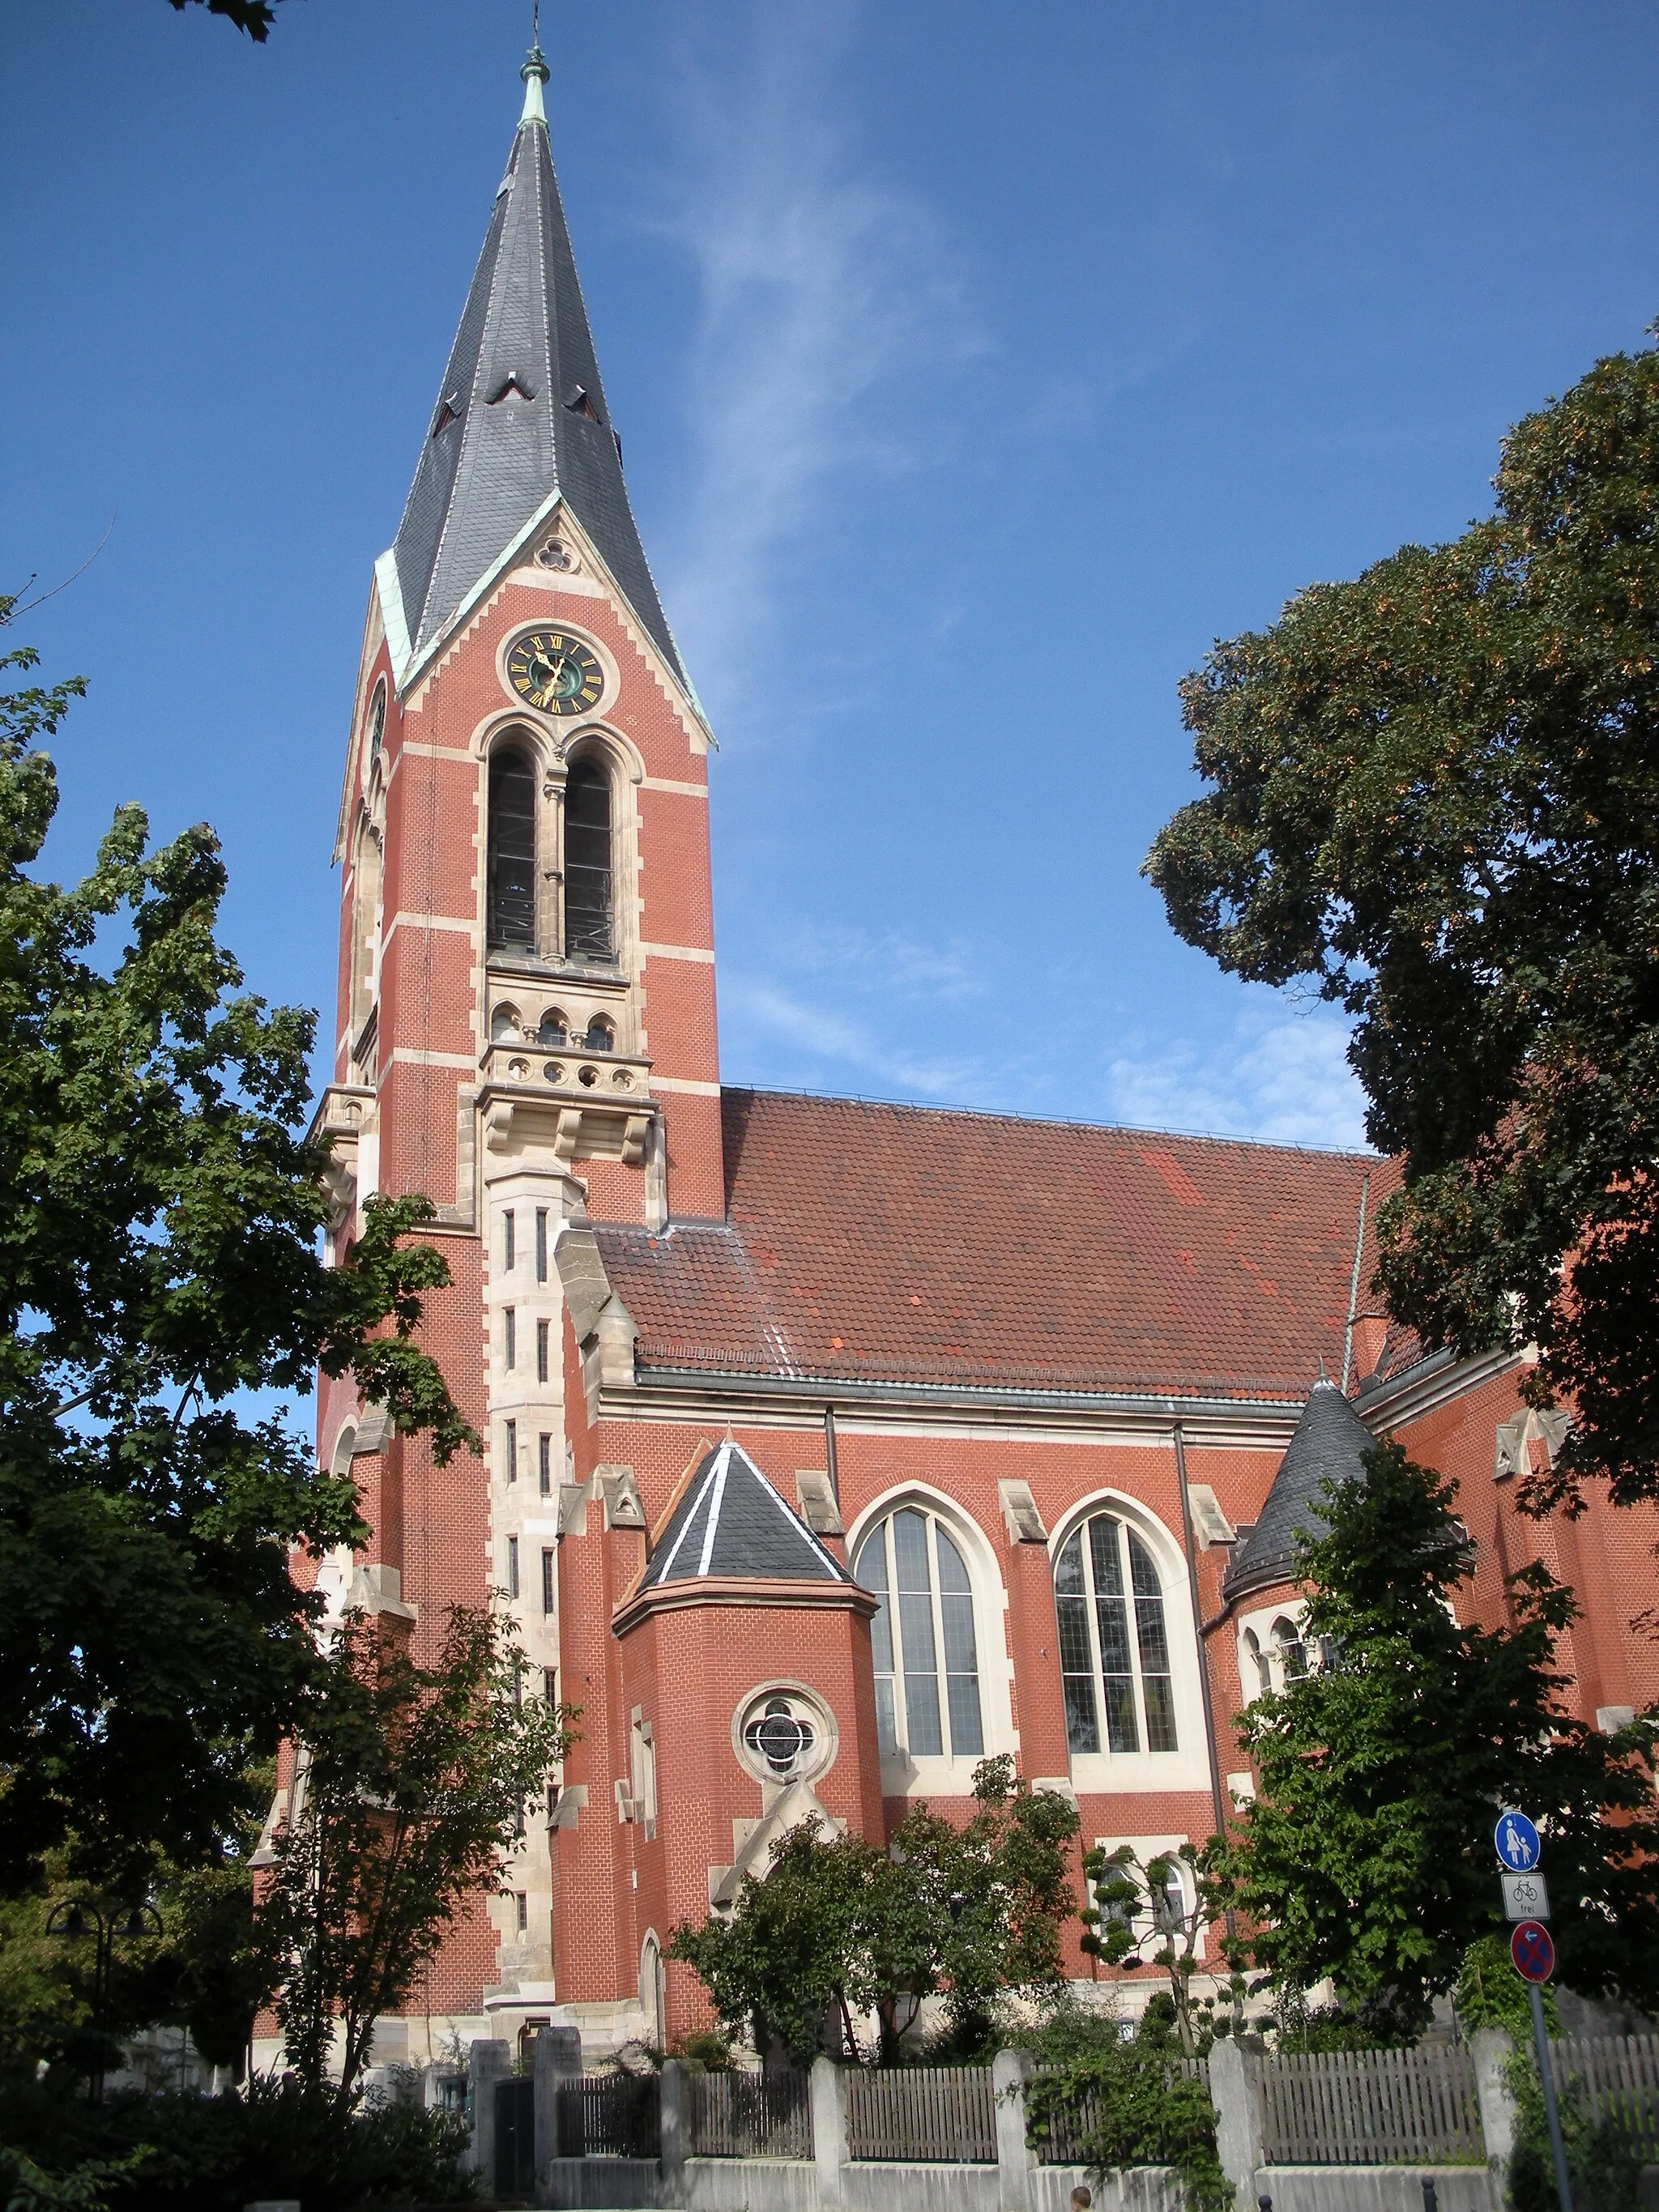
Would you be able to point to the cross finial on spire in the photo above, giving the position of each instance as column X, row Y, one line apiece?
column 535, row 71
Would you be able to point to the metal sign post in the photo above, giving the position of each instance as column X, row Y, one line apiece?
column 1533, row 1949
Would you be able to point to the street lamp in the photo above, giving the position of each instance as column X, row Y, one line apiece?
column 74, row 1917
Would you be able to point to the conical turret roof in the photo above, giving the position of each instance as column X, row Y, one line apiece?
column 1329, row 1445
column 520, row 418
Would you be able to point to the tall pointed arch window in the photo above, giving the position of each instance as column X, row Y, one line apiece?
column 1114, row 1641
column 512, row 850
column 923, row 1639
column 589, row 927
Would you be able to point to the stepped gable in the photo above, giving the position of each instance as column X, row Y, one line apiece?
column 1329, row 1445
column 910, row 1245
column 729, row 1524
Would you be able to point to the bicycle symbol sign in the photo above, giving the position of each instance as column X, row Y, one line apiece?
column 1533, row 1951
column 1516, row 1841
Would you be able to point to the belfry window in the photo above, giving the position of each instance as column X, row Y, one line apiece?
column 928, row 1679
column 1114, row 1641
column 589, row 929
column 512, row 851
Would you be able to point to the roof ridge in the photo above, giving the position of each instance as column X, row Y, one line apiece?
column 919, row 1106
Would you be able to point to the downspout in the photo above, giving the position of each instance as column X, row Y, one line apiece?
column 1217, row 1802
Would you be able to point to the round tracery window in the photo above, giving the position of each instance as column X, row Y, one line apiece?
column 783, row 1733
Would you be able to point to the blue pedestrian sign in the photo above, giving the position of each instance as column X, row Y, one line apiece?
column 1516, row 1840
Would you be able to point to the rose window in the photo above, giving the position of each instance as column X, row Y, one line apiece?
column 780, row 1736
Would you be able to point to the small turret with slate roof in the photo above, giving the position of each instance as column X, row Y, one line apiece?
column 521, row 422
column 1329, row 1445
column 730, row 1524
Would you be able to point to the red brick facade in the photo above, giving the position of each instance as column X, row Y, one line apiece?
column 1002, row 1327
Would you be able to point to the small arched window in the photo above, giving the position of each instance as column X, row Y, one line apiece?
column 1293, row 1651
column 600, row 1037
column 927, row 1679
column 512, row 851
column 1263, row 1665
column 552, row 1030
column 1113, row 1642
column 504, row 1024
column 588, row 930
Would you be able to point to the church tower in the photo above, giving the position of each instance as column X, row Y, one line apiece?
column 526, row 1023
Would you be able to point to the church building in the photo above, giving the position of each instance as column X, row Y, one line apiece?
column 831, row 1447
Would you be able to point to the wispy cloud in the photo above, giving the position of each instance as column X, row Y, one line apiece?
column 1279, row 1075
column 819, row 285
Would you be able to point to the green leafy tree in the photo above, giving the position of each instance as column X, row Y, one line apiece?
column 838, row 1930
column 1366, row 1853
column 410, row 1789
column 161, row 1219
column 1434, row 793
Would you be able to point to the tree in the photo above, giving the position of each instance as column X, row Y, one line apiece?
column 160, row 1226
column 1366, row 1853
column 410, row 1787
column 1435, row 792
column 1152, row 1914
column 839, row 1931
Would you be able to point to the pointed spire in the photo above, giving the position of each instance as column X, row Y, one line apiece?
column 1329, row 1445
column 519, row 421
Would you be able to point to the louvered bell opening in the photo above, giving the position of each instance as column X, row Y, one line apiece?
column 587, row 878
column 512, row 854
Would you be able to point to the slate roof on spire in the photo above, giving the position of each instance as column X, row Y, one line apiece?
column 1329, row 1445
column 520, row 414
column 731, row 1524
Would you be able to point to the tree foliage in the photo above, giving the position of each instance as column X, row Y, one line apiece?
column 1435, row 792
column 256, row 17
column 1124, row 2103
column 1153, row 1913
column 839, row 1931
column 160, row 1229
column 1366, row 1853
column 410, row 1789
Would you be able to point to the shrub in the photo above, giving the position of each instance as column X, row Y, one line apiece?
column 1126, row 2102
column 181, row 2153
column 1603, row 2164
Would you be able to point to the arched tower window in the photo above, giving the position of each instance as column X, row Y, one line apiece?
column 512, row 850
column 1114, row 1642
column 589, row 931
column 927, row 1679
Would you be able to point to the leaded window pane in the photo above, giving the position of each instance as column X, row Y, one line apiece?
column 1126, row 1661
column 587, row 864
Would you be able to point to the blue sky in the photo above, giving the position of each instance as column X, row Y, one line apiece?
column 977, row 369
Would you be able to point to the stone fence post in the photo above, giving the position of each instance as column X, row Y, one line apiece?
column 555, row 2058
column 1236, row 2093
column 829, row 2090
column 487, row 2063
column 1016, row 2160
column 1492, row 2050
column 674, row 2094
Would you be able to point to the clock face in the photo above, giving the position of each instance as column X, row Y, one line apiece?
column 559, row 674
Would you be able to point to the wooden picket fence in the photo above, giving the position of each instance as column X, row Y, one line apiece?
column 751, row 2115
column 1372, row 2108
column 945, row 2114
column 610, row 2116
column 1065, row 2139
column 1619, row 2075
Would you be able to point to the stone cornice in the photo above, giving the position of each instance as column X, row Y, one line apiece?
column 697, row 1590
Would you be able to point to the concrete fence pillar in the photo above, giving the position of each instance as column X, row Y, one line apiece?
column 829, row 2154
column 1016, row 2160
column 488, row 2063
column 555, row 2058
column 675, row 2140
column 1236, row 2093
column 1491, row 2050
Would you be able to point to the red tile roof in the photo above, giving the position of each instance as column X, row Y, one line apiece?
column 902, row 1244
